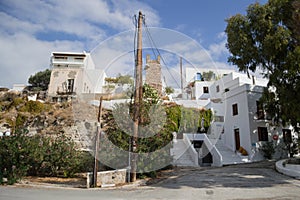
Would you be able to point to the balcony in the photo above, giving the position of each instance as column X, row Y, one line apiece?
column 67, row 61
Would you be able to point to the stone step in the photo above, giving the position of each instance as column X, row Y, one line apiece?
column 181, row 154
column 229, row 156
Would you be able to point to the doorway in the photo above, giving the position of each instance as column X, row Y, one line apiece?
column 237, row 138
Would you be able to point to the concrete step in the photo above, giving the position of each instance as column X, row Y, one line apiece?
column 181, row 154
column 229, row 156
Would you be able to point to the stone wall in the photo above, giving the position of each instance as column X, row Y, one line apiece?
column 153, row 73
column 108, row 178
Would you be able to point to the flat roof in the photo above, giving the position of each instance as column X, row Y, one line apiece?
column 69, row 54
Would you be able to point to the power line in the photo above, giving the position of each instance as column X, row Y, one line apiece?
column 152, row 43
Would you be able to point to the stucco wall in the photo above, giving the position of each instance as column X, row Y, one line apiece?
column 108, row 178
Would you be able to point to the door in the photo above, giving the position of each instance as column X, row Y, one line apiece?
column 70, row 85
column 237, row 138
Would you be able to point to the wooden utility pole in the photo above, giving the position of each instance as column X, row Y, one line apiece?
column 138, row 96
column 97, row 144
column 181, row 77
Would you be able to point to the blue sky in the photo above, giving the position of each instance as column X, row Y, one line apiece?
column 31, row 29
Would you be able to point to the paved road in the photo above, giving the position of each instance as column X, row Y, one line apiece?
column 249, row 181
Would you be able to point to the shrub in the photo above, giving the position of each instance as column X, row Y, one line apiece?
column 13, row 153
column 33, row 107
column 21, row 154
column 268, row 150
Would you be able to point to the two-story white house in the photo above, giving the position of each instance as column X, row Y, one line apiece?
column 235, row 102
column 74, row 74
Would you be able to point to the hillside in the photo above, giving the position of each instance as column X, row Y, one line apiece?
column 74, row 119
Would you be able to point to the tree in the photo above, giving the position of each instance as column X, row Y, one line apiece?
column 208, row 76
column 40, row 80
column 120, row 79
column 169, row 90
column 267, row 37
column 126, row 79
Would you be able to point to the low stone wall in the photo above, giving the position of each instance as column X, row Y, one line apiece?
column 108, row 178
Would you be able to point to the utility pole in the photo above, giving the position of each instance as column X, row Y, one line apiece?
column 181, row 77
column 138, row 96
column 97, row 144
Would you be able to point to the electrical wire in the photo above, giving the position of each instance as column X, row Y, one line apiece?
column 152, row 43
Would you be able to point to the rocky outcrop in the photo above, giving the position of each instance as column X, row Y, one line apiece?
column 74, row 119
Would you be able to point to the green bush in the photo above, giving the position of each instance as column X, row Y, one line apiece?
column 39, row 155
column 17, row 102
column 20, row 121
column 34, row 107
column 13, row 153
column 268, row 150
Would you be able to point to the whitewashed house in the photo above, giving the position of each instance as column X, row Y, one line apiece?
column 74, row 74
column 240, row 121
column 246, row 124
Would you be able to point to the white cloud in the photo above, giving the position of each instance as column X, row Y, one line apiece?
column 23, row 51
column 25, row 25
column 22, row 55
column 219, row 49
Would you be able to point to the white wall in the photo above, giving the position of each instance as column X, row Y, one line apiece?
column 240, row 121
column 60, row 75
column 190, row 72
column 198, row 89
column 87, row 79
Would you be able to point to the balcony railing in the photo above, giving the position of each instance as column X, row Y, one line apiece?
column 66, row 61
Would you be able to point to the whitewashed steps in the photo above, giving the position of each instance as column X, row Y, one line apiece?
column 228, row 156
column 181, row 156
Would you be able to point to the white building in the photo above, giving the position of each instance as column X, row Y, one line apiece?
column 19, row 87
column 74, row 74
column 195, row 74
column 198, row 87
column 239, row 121
column 236, row 102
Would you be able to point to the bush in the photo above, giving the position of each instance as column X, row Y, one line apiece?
column 268, row 150
column 34, row 107
column 21, row 154
column 13, row 153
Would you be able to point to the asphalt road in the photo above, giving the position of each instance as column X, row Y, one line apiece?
column 248, row 181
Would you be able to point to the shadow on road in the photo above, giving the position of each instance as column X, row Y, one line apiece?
column 253, row 175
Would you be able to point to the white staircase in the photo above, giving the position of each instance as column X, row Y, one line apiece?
column 228, row 156
column 181, row 154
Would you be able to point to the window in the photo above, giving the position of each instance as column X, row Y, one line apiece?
column 78, row 59
column 263, row 134
column 70, row 85
column 218, row 88
column 260, row 110
column 205, row 90
column 61, row 57
column 235, row 109
column 287, row 135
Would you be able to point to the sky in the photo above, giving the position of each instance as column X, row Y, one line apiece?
column 193, row 29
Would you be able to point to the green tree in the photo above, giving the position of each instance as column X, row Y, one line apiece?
column 169, row 90
column 208, row 76
column 40, row 80
column 267, row 37
column 126, row 79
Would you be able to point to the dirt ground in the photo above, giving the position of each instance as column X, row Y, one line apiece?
column 55, row 181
